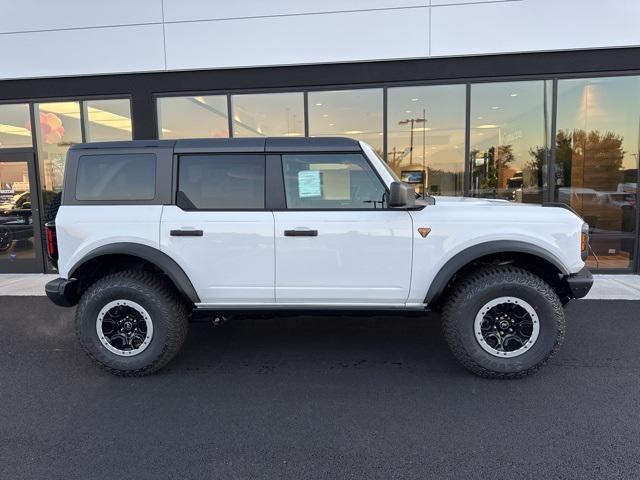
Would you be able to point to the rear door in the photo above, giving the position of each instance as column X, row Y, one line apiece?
column 336, row 242
column 221, row 234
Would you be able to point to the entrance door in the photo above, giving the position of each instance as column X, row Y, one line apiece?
column 20, row 245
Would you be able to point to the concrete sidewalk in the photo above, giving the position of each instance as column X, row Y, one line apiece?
column 606, row 287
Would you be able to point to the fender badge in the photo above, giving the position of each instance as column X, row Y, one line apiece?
column 424, row 231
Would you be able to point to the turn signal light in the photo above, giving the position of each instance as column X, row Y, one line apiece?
column 584, row 241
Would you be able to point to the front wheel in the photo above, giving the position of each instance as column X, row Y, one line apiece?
column 132, row 323
column 503, row 322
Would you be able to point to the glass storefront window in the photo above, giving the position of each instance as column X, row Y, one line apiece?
column 107, row 120
column 425, row 136
column 347, row 113
column 510, row 124
column 270, row 114
column 58, row 128
column 15, row 126
column 596, row 170
column 193, row 117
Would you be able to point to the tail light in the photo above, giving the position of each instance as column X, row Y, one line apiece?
column 52, row 241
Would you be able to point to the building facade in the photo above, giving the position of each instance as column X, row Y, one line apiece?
column 524, row 100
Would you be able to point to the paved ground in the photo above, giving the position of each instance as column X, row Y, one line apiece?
column 318, row 398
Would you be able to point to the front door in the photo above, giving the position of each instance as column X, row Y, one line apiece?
column 337, row 243
column 20, row 241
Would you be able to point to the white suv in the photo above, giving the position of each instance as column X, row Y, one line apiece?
column 149, row 232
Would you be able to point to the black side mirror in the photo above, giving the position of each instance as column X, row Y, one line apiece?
column 401, row 195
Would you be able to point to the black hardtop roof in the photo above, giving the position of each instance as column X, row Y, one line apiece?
column 235, row 145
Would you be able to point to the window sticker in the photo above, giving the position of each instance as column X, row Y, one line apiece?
column 309, row 184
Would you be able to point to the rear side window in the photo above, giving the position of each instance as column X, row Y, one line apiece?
column 224, row 181
column 116, row 177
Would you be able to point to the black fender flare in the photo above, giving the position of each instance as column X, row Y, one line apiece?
column 152, row 255
column 459, row 260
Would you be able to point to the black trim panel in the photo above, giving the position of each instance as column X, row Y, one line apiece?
column 161, row 260
column 311, row 145
column 62, row 292
column 461, row 259
column 580, row 283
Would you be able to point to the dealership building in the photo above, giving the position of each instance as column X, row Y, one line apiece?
column 524, row 100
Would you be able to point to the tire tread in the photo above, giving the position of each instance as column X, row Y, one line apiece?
column 473, row 283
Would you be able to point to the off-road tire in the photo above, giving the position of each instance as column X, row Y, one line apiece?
column 470, row 293
column 158, row 297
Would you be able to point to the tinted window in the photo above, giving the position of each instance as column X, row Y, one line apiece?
column 327, row 181
column 221, row 182
column 116, row 177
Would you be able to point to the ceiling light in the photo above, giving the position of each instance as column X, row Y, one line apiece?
column 332, row 124
column 108, row 119
column 414, row 99
column 407, row 111
column 479, row 118
column 487, row 125
column 292, row 134
column 514, row 95
column 318, row 104
column 325, row 115
column 421, row 129
column 70, row 109
column 95, row 115
column 353, row 132
column 13, row 130
column 495, row 108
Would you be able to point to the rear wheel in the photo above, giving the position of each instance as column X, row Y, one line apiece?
column 503, row 322
column 132, row 323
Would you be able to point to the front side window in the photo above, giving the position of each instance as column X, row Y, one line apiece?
column 331, row 181
column 116, row 177
column 223, row 182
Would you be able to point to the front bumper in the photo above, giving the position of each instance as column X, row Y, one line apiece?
column 580, row 283
column 62, row 292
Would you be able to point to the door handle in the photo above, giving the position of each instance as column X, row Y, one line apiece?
column 186, row 233
column 301, row 233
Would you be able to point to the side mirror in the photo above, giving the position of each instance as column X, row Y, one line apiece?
column 401, row 195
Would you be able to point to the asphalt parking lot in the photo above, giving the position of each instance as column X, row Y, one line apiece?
column 311, row 397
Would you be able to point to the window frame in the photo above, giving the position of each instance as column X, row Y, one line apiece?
column 176, row 176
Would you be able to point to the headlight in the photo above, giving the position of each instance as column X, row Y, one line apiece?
column 584, row 241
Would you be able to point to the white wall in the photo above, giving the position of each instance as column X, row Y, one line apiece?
column 80, row 37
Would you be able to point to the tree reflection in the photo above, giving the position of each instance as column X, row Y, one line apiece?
column 591, row 179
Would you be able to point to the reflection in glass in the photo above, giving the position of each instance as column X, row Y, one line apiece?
column 58, row 129
column 193, row 117
column 16, row 220
column 510, row 124
column 272, row 114
column 425, row 144
column 596, row 169
column 347, row 113
column 15, row 126
column 107, row 120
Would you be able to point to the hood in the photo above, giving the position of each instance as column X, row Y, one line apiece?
column 470, row 201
